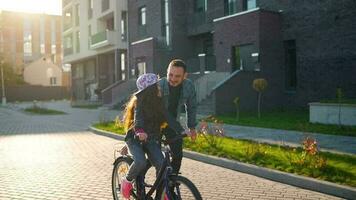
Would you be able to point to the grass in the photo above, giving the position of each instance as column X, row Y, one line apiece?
column 43, row 111
column 336, row 168
column 288, row 120
column 110, row 126
column 93, row 106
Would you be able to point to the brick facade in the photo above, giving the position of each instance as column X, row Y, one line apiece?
column 321, row 33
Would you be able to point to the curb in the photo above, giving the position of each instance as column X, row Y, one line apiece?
column 325, row 187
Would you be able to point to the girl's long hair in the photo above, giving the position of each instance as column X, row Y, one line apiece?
column 152, row 109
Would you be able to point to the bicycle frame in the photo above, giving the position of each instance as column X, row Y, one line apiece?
column 161, row 179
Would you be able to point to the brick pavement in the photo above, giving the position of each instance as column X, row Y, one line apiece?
column 77, row 165
column 43, row 162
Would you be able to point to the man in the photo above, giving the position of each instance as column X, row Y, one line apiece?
column 178, row 91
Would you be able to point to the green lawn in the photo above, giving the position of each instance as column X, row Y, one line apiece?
column 288, row 120
column 43, row 111
column 331, row 167
column 93, row 106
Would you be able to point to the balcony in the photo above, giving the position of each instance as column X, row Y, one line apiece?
column 67, row 51
column 103, row 39
column 67, row 26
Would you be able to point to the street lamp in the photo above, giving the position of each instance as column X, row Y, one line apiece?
column 3, row 84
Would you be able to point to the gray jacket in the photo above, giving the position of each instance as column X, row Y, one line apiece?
column 187, row 99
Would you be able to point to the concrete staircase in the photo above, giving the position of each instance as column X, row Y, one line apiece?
column 118, row 92
column 207, row 106
column 204, row 85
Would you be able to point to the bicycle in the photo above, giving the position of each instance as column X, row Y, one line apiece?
column 167, row 185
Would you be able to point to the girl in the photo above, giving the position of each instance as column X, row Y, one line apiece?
column 144, row 116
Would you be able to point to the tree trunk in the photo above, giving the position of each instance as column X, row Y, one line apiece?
column 259, row 105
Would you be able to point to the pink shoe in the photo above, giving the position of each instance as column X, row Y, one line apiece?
column 126, row 187
column 166, row 197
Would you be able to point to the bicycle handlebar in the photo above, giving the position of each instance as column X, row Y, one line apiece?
column 177, row 137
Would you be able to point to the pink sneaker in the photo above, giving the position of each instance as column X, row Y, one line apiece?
column 166, row 197
column 126, row 187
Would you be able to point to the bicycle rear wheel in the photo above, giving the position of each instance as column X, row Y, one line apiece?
column 121, row 168
column 182, row 188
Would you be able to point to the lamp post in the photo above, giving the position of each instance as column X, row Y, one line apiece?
column 3, row 84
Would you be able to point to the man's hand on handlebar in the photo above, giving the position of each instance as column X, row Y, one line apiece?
column 191, row 133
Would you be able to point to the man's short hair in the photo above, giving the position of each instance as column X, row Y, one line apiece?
column 178, row 63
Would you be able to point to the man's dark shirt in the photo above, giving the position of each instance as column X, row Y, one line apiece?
column 174, row 96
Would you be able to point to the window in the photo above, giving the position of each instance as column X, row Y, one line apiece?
column 166, row 25
column 242, row 58
column 77, row 41
column 110, row 24
column 67, row 19
column 291, row 65
column 230, row 7
column 200, row 5
column 27, row 37
column 142, row 16
column 123, row 25
column 68, row 44
column 42, row 35
column 141, row 67
column 248, row 4
column 123, row 66
column 77, row 14
column 53, row 81
column 89, row 36
column 53, row 36
column 90, row 8
column 142, row 32
column 251, row 4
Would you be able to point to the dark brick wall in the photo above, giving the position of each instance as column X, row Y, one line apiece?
column 145, row 52
column 266, row 27
column 153, row 18
column 325, row 34
column 238, row 30
column 238, row 86
column 324, row 31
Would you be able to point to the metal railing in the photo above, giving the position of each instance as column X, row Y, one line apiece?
column 99, row 37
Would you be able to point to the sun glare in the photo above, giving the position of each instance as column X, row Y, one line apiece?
column 52, row 7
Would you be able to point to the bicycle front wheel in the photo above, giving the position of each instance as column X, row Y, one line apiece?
column 121, row 168
column 181, row 188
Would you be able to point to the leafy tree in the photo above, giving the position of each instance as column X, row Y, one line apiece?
column 259, row 85
column 10, row 77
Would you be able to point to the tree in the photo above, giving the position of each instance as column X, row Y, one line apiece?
column 259, row 85
column 10, row 77
column 237, row 105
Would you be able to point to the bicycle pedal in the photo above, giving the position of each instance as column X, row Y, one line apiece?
column 147, row 185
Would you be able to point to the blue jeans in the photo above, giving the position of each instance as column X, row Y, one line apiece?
column 154, row 154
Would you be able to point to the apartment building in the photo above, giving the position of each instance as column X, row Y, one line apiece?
column 27, row 37
column 95, row 45
column 303, row 49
